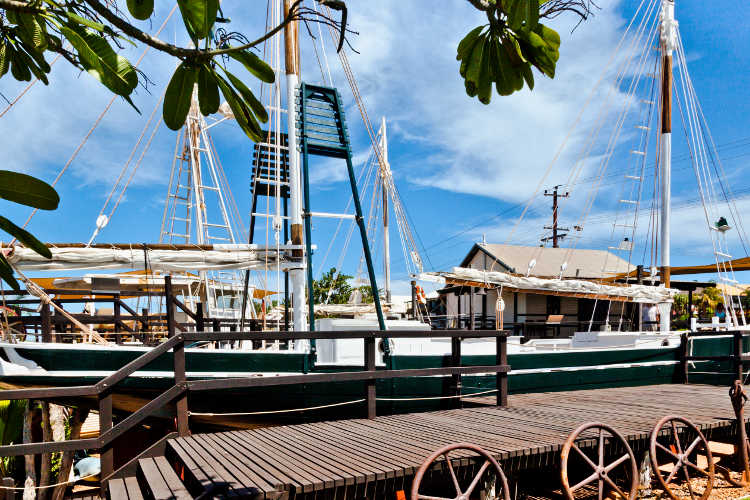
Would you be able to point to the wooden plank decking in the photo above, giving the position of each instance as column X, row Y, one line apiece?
column 297, row 460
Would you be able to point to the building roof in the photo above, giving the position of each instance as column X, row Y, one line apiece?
column 582, row 263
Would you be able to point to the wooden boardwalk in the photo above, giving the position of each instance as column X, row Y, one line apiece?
column 361, row 457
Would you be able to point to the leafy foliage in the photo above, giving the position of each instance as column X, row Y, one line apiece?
column 11, row 427
column 332, row 288
column 29, row 191
column 503, row 52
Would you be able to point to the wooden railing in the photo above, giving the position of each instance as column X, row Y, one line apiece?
column 178, row 392
column 738, row 358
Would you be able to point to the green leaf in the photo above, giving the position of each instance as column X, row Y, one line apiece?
column 25, row 237
column 475, row 65
column 101, row 61
column 27, row 190
column 208, row 91
column 32, row 30
column 6, row 274
column 255, row 65
column 85, row 22
column 528, row 75
column 141, row 9
column 31, row 64
column 241, row 113
column 5, row 56
column 467, row 43
column 522, row 13
column 179, row 96
column 18, row 68
column 247, row 95
column 484, row 87
column 550, row 36
column 199, row 16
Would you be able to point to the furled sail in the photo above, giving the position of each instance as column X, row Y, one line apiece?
column 634, row 293
column 155, row 257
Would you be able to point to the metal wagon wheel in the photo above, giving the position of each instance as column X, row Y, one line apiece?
column 604, row 474
column 678, row 459
column 444, row 452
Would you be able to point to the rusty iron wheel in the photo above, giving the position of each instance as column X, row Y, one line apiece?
column 602, row 473
column 443, row 452
column 679, row 456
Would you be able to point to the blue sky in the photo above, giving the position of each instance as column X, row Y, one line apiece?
column 463, row 169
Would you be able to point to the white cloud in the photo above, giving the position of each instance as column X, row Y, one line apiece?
column 408, row 72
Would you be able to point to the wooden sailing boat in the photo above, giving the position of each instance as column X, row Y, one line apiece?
column 61, row 364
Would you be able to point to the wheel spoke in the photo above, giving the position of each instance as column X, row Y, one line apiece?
column 601, row 449
column 585, row 481
column 617, row 462
column 692, row 446
column 676, row 436
column 601, row 489
column 617, row 489
column 667, row 450
column 453, row 475
column 585, row 457
column 674, row 472
column 689, row 486
column 427, row 497
column 476, row 478
column 696, row 468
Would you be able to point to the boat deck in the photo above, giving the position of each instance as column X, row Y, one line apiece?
column 366, row 458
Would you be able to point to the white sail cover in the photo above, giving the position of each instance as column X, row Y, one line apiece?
column 78, row 258
column 636, row 293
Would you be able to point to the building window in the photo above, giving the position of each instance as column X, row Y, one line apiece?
column 553, row 304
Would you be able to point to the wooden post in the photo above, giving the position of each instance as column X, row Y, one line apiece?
column 118, row 319
column 738, row 356
column 455, row 389
column 515, row 313
column 501, row 379
column 169, row 301
column 144, row 323
column 106, row 453
column 684, row 351
column 8, row 494
column 471, row 308
column 370, row 391
column 199, row 326
column 183, row 425
column 46, row 323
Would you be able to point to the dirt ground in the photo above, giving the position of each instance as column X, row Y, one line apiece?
column 722, row 490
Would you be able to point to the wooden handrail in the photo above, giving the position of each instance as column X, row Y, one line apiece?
column 178, row 392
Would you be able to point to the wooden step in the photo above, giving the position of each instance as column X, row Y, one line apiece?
column 159, row 481
column 198, row 477
column 721, row 449
column 125, row 489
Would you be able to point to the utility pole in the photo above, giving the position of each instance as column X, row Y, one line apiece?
column 292, row 63
column 558, row 233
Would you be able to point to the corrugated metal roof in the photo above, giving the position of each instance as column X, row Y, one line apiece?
column 582, row 263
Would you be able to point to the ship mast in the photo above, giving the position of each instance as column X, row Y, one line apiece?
column 385, row 173
column 668, row 42
column 292, row 60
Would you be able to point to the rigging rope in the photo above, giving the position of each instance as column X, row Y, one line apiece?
column 97, row 121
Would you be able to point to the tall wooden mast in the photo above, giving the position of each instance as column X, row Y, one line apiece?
column 292, row 60
column 668, row 37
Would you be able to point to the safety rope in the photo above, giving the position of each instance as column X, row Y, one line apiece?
column 45, row 487
column 333, row 405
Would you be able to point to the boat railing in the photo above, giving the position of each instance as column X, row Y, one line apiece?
column 120, row 323
column 177, row 394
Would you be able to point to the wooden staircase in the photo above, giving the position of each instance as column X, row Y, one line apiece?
column 183, row 473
